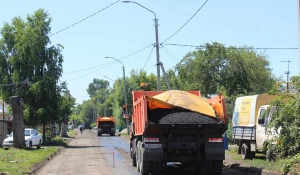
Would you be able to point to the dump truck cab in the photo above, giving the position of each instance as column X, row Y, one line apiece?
column 106, row 125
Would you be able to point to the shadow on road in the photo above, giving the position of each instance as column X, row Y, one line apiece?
column 243, row 169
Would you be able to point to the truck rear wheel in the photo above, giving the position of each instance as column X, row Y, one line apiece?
column 217, row 167
column 138, row 157
column 156, row 167
column 112, row 134
column 245, row 151
column 133, row 153
column 211, row 167
column 99, row 134
column 145, row 166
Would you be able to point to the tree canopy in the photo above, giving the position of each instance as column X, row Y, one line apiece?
column 31, row 67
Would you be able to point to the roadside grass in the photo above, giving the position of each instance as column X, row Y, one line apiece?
column 291, row 164
column 71, row 133
column 258, row 162
column 21, row 161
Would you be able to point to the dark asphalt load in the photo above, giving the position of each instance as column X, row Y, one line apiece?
column 178, row 116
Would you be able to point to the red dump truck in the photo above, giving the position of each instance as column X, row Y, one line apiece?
column 106, row 125
column 177, row 126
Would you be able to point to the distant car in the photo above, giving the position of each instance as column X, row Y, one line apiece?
column 32, row 138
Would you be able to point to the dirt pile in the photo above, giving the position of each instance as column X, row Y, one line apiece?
column 178, row 116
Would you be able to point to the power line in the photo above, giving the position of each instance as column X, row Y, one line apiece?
column 224, row 25
column 88, row 68
column 107, row 64
column 170, row 55
column 85, row 18
column 125, row 57
column 186, row 22
column 148, row 57
column 89, row 73
column 251, row 48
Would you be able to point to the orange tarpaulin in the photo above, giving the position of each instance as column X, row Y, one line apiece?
column 175, row 98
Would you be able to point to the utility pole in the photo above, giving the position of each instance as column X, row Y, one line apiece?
column 287, row 75
column 299, row 29
column 157, row 54
column 156, row 43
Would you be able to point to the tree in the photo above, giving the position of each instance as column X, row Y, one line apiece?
column 29, row 62
column 97, row 84
column 233, row 70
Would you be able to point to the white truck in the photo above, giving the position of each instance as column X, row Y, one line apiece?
column 249, row 124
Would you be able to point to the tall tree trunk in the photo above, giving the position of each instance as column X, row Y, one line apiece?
column 18, row 129
column 64, row 128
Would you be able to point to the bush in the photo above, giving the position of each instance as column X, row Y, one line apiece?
column 56, row 141
column 287, row 119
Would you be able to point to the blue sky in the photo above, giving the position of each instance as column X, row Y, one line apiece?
column 123, row 29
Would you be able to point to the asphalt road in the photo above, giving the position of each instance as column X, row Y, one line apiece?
column 106, row 155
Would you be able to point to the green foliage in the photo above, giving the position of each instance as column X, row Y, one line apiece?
column 26, row 54
column 233, row 70
column 56, row 141
column 291, row 165
column 286, row 118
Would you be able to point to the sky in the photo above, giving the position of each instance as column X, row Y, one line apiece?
column 124, row 30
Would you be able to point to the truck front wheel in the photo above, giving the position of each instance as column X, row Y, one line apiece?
column 270, row 155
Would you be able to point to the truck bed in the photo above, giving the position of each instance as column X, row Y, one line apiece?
column 178, row 116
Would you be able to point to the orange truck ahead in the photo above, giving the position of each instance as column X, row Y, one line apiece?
column 177, row 126
column 106, row 125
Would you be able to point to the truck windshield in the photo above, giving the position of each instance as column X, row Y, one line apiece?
column 262, row 111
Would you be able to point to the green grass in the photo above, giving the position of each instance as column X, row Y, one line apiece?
column 258, row 162
column 20, row 161
column 71, row 133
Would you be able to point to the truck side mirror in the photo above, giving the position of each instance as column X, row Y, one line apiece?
column 261, row 121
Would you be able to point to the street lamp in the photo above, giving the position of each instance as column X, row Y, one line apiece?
column 156, row 45
column 125, row 94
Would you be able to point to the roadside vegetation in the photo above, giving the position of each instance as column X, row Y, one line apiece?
column 20, row 161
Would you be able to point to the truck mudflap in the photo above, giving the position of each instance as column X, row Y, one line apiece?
column 153, row 152
column 214, row 148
